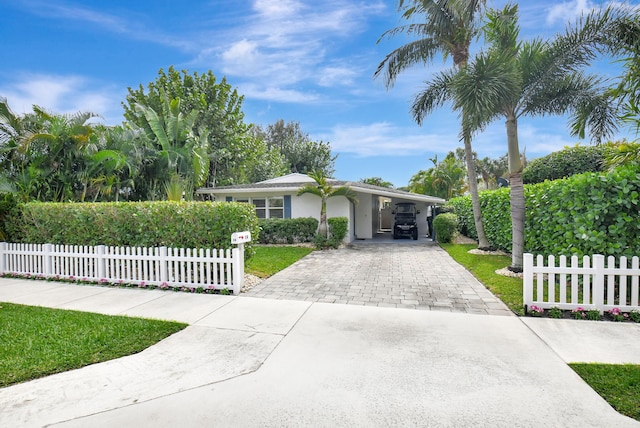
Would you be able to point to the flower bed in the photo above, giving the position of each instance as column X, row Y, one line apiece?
column 580, row 313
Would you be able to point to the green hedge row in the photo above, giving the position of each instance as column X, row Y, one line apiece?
column 591, row 213
column 287, row 231
column 144, row 224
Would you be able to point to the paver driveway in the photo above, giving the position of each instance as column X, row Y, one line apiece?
column 399, row 275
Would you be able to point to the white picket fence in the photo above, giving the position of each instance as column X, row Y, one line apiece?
column 591, row 284
column 162, row 266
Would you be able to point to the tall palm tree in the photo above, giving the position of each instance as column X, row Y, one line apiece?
column 449, row 29
column 514, row 79
column 323, row 189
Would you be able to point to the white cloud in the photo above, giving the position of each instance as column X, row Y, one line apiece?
column 385, row 139
column 277, row 94
column 62, row 94
column 568, row 11
column 285, row 44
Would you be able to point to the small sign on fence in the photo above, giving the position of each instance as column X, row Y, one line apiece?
column 240, row 237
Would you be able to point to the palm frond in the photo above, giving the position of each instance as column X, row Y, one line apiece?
column 437, row 92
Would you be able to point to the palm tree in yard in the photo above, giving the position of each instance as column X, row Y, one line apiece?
column 323, row 189
column 513, row 79
column 449, row 29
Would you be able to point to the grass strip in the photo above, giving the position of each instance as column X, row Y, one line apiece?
column 36, row 341
column 618, row 384
column 484, row 267
column 270, row 260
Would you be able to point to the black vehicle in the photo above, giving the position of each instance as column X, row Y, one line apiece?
column 405, row 223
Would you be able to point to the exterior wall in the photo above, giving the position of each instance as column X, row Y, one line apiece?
column 364, row 212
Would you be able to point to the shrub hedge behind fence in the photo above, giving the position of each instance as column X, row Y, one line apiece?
column 591, row 213
column 287, row 231
column 139, row 224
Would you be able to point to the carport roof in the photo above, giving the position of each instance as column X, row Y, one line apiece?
column 283, row 184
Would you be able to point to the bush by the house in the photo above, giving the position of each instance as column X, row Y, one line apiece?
column 591, row 213
column 565, row 163
column 287, row 231
column 143, row 224
column 338, row 229
column 445, row 226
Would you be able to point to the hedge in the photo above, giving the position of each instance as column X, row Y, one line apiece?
column 287, row 231
column 591, row 213
column 445, row 226
column 144, row 224
column 565, row 163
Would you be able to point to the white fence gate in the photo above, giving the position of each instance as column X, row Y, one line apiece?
column 217, row 269
column 590, row 284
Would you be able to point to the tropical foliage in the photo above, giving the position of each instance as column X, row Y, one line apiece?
column 299, row 153
column 448, row 28
column 512, row 79
column 446, row 179
column 325, row 190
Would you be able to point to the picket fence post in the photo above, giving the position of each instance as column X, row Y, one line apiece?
column 47, row 257
column 527, row 287
column 164, row 265
column 3, row 257
column 598, row 282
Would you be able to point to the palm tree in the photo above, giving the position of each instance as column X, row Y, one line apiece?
column 323, row 189
column 514, row 79
column 449, row 28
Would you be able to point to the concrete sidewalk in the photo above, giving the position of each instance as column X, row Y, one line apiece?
column 259, row 362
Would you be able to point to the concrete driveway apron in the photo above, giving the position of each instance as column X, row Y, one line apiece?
column 400, row 276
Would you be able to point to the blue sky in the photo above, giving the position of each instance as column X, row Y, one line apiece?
column 297, row 60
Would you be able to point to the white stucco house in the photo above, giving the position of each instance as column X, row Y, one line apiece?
column 277, row 198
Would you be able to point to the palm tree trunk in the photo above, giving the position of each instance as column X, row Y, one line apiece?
column 517, row 194
column 473, row 189
column 322, row 226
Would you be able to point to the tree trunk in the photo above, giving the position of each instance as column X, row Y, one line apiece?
column 473, row 189
column 517, row 194
column 322, row 226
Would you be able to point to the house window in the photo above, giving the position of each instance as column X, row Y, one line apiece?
column 261, row 207
column 272, row 207
column 276, row 207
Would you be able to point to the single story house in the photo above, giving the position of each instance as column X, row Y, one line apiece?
column 277, row 198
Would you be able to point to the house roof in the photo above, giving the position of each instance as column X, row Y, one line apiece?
column 293, row 182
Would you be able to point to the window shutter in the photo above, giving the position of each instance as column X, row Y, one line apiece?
column 287, row 206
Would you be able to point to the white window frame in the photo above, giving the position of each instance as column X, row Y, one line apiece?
column 268, row 209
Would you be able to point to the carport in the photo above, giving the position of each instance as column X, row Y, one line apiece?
column 373, row 218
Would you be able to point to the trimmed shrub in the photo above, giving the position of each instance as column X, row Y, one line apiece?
column 591, row 213
column 143, row 224
column 445, row 226
column 287, row 231
column 565, row 163
column 338, row 228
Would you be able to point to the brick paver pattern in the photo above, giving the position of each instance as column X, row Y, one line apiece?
column 398, row 276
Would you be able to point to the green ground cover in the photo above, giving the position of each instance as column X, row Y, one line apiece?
column 619, row 384
column 38, row 341
column 269, row 260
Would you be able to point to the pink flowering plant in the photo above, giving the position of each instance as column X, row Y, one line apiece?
column 617, row 315
column 536, row 311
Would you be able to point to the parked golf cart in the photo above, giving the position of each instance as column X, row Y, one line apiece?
column 405, row 223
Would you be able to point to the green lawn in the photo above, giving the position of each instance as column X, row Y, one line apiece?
column 619, row 384
column 36, row 342
column 270, row 260
column 484, row 267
